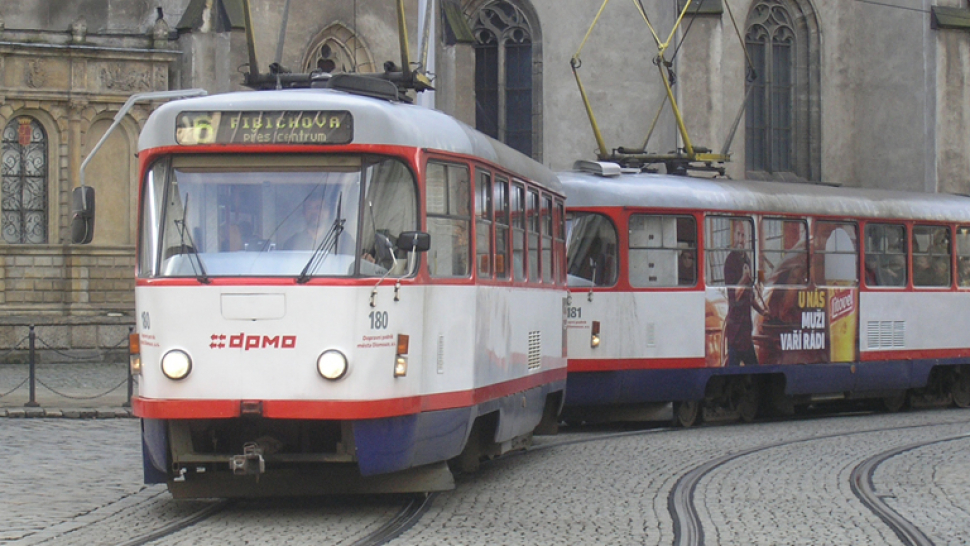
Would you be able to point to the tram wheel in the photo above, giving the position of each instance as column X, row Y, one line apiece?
column 749, row 400
column 894, row 402
column 960, row 389
column 687, row 414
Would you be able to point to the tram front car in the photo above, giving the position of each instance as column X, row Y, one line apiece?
column 283, row 312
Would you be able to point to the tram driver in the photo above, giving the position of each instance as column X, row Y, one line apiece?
column 318, row 223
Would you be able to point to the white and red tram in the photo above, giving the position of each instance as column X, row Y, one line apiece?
column 339, row 293
column 726, row 297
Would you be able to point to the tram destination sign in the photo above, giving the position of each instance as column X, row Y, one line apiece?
column 265, row 127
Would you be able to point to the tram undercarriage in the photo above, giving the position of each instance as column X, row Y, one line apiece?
column 743, row 397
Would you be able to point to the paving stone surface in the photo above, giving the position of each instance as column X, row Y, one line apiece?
column 79, row 481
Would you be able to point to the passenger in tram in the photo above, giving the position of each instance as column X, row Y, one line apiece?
column 963, row 267
column 738, row 276
column 932, row 267
column 686, row 268
column 930, row 271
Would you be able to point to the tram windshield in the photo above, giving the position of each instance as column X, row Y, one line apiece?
column 259, row 215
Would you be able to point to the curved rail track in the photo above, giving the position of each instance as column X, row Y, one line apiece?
column 178, row 525
column 404, row 520
column 413, row 507
column 862, row 486
column 688, row 530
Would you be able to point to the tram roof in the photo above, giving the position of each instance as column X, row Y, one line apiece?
column 376, row 121
column 722, row 195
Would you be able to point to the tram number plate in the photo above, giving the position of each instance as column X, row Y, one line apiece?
column 378, row 320
column 265, row 127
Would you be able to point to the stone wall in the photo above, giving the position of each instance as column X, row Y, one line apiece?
column 52, row 280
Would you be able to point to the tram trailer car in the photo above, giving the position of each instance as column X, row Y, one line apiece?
column 732, row 297
column 328, row 300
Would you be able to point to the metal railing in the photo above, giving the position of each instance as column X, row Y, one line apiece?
column 32, row 380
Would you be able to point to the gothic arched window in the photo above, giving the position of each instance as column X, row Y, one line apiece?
column 338, row 49
column 782, row 115
column 504, row 86
column 24, row 173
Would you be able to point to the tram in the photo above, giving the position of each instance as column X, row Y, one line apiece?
column 729, row 298
column 338, row 291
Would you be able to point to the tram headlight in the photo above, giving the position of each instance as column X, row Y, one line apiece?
column 176, row 364
column 594, row 340
column 332, row 364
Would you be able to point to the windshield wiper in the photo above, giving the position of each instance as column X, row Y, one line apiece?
column 200, row 275
column 328, row 245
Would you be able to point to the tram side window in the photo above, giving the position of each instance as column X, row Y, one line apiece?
column 729, row 253
column 885, row 255
column 963, row 256
column 784, row 251
column 501, row 203
column 390, row 207
column 518, row 232
column 483, row 224
column 931, row 256
column 663, row 251
column 532, row 225
column 560, row 249
column 152, row 205
column 591, row 250
column 836, row 254
column 546, row 225
column 448, row 219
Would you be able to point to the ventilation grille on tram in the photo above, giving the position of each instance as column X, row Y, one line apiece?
column 441, row 354
column 535, row 350
column 886, row 334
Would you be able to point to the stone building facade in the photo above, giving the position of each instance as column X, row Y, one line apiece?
column 61, row 83
column 868, row 94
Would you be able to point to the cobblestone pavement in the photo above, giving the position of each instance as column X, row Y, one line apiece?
column 591, row 487
column 936, row 475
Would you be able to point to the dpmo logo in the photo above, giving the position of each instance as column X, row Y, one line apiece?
column 248, row 342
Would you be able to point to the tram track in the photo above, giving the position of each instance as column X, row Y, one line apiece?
column 178, row 525
column 412, row 508
column 139, row 509
column 863, row 487
column 688, row 530
column 409, row 515
column 147, row 518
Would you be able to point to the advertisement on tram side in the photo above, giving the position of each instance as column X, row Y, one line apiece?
column 796, row 309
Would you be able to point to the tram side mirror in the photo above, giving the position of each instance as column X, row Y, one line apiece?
column 417, row 241
column 82, row 215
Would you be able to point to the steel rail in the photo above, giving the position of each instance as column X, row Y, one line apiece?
column 863, row 487
column 177, row 525
column 410, row 514
column 688, row 530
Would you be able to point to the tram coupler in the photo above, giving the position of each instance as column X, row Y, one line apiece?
column 250, row 462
